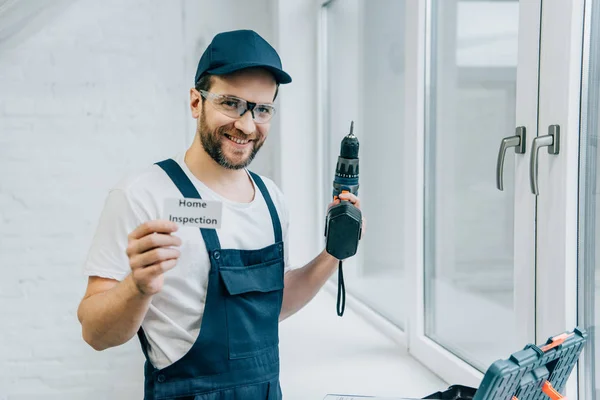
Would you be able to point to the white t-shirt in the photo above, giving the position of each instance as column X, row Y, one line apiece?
column 173, row 321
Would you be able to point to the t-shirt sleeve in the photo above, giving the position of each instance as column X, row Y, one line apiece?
column 107, row 255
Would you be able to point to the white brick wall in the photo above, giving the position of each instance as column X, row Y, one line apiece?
column 98, row 91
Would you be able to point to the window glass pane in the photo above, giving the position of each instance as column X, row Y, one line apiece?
column 469, row 234
column 365, row 60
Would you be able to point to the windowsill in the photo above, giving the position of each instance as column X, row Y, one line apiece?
column 322, row 353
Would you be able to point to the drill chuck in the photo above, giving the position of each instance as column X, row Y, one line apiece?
column 346, row 171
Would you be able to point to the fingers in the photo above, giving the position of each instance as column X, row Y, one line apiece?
column 151, row 235
column 154, row 256
column 158, row 226
column 333, row 203
column 152, row 241
column 159, row 268
column 148, row 280
column 151, row 253
column 351, row 198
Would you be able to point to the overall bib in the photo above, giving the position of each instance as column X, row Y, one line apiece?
column 236, row 354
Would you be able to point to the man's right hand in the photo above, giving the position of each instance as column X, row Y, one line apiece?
column 150, row 254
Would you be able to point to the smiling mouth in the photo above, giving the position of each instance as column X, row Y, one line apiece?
column 236, row 140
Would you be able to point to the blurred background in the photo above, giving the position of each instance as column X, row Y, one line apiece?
column 452, row 273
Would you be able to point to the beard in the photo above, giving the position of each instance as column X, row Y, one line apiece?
column 212, row 142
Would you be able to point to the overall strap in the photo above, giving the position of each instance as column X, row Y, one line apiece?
column 270, row 205
column 188, row 190
column 143, row 342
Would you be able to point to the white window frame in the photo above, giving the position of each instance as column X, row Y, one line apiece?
column 558, row 202
column 560, row 80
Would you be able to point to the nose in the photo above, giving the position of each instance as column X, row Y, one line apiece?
column 245, row 123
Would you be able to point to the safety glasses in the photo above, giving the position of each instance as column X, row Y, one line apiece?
column 234, row 107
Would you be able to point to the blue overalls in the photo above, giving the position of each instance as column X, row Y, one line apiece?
column 236, row 354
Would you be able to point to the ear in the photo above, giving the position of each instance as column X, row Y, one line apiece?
column 195, row 103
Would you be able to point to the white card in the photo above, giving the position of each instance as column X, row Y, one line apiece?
column 194, row 212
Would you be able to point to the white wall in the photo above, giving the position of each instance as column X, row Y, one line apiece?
column 101, row 89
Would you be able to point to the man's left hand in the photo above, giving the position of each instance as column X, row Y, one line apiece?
column 352, row 199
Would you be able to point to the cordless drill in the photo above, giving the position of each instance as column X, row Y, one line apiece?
column 343, row 224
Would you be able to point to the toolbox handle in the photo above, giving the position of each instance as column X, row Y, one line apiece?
column 556, row 341
column 549, row 390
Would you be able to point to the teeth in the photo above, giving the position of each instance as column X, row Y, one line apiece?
column 238, row 141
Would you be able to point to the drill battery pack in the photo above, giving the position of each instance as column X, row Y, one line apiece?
column 343, row 229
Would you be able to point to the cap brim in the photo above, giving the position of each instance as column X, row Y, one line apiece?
column 280, row 76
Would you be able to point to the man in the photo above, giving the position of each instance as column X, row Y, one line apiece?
column 205, row 303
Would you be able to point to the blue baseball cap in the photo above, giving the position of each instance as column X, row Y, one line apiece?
column 231, row 51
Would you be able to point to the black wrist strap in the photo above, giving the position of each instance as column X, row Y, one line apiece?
column 341, row 296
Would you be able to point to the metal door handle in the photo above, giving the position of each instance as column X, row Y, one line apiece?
column 552, row 140
column 518, row 142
